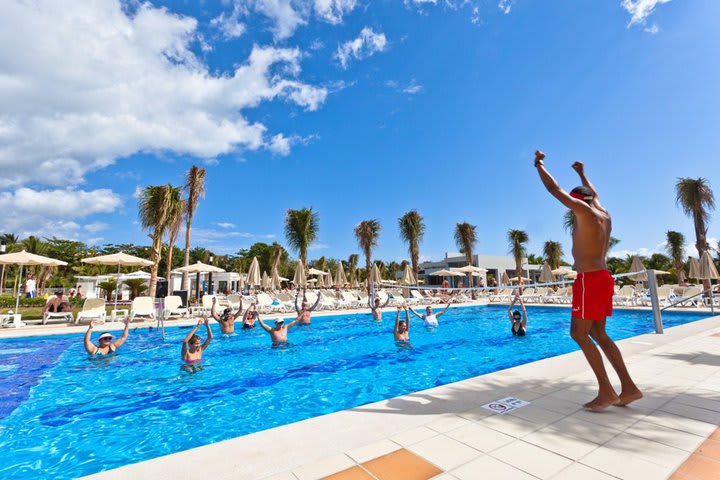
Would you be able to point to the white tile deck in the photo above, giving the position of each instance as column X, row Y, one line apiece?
column 551, row 438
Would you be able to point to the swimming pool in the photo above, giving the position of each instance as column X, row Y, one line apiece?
column 63, row 416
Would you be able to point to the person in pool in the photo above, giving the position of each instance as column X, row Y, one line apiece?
column 304, row 313
column 105, row 344
column 519, row 320
column 593, row 289
column 401, row 332
column 430, row 319
column 278, row 334
column 227, row 318
column 193, row 346
column 376, row 308
column 251, row 315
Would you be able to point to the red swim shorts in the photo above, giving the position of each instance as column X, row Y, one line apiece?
column 593, row 295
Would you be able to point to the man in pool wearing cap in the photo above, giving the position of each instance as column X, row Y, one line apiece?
column 278, row 334
column 376, row 309
column 593, row 287
column 227, row 318
column 105, row 344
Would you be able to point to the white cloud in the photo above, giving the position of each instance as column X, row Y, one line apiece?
column 652, row 29
column 93, row 84
column 365, row 45
column 413, row 88
column 505, row 6
column 225, row 225
column 137, row 193
column 475, row 18
column 318, row 246
column 640, row 10
column 53, row 212
column 94, row 241
column 279, row 144
column 689, row 249
column 333, row 11
column 229, row 25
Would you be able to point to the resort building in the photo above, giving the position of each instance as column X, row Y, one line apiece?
column 493, row 264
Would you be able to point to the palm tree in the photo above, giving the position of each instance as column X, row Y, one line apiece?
column 136, row 285
column 175, row 216
column 156, row 205
column 569, row 221
column 367, row 233
column 553, row 251
column 194, row 189
column 412, row 230
column 301, row 229
column 465, row 238
column 517, row 240
column 352, row 262
column 675, row 248
column 696, row 199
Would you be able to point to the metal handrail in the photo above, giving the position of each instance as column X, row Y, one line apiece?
column 686, row 299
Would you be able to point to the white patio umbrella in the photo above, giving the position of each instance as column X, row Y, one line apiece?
column 447, row 273
column 340, row 278
column 355, row 283
column 275, row 279
column 470, row 269
column 546, row 274
column 198, row 268
column 300, row 280
column 119, row 259
column 504, row 279
column 375, row 274
column 519, row 279
column 708, row 271
column 253, row 275
column 265, row 280
column 638, row 266
column 408, row 278
column 561, row 271
column 315, row 271
column 23, row 258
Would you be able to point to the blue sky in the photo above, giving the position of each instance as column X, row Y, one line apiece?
column 358, row 109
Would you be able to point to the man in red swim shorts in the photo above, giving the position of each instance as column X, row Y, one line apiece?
column 593, row 288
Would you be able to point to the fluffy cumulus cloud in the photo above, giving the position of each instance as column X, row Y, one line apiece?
column 55, row 212
column 689, row 249
column 229, row 23
column 365, row 45
column 640, row 10
column 505, row 6
column 94, row 84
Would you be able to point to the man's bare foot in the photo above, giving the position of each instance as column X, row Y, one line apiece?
column 629, row 397
column 601, row 402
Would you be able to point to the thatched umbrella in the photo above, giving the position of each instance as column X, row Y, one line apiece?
column 638, row 266
column 408, row 278
column 546, row 275
column 340, row 279
column 708, row 270
column 253, row 276
column 300, row 280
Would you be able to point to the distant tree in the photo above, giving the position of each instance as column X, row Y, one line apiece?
column 353, row 262
column 367, row 233
column 108, row 287
column 137, row 286
column 465, row 239
column 696, row 199
column 175, row 217
column 675, row 247
column 194, row 190
column 517, row 240
column 301, row 230
column 412, row 230
column 553, row 253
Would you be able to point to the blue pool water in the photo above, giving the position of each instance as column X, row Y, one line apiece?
column 64, row 416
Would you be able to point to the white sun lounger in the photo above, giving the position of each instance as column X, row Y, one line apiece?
column 173, row 308
column 143, row 307
column 93, row 309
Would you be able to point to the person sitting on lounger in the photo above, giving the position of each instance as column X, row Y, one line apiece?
column 376, row 308
column 227, row 318
column 401, row 332
column 278, row 334
column 518, row 319
column 105, row 344
column 58, row 303
column 430, row 319
column 193, row 347
column 303, row 314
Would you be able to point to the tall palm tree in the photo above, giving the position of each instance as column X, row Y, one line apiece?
column 367, row 233
column 412, row 230
column 175, row 217
column 517, row 240
column 696, row 199
column 675, row 248
column 353, row 261
column 465, row 238
column 194, row 190
column 156, row 204
column 553, row 252
column 301, row 229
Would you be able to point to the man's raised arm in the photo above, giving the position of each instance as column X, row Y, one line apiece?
column 579, row 167
column 554, row 188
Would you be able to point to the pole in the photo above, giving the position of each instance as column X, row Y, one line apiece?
column 652, row 290
column 197, row 288
column 17, row 299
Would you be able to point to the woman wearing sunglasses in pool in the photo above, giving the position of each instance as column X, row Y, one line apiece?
column 193, row 347
column 519, row 320
column 105, row 344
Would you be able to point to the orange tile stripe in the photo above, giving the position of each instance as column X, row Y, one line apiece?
column 398, row 465
column 704, row 463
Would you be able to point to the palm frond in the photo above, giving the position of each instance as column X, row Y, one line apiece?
column 301, row 229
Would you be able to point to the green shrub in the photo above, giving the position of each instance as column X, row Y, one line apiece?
column 8, row 301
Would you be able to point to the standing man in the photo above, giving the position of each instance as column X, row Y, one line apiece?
column 278, row 335
column 593, row 288
column 225, row 319
column 30, row 286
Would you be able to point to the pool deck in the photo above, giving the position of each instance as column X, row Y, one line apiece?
column 445, row 434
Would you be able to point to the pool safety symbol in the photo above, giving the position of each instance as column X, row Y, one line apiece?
column 505, row 405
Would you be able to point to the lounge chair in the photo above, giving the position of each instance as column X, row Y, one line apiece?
column 625, row 296
column 351, row 300
column 11, row 321
column 528, row 295
column 143, row 307
column 93, row 308
column 173, row 308
column 265, row 304
column 67, row 317
column 234, row 301
column 502, row 295
column 430, row 298
column 328, row 302
column 692, row 296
